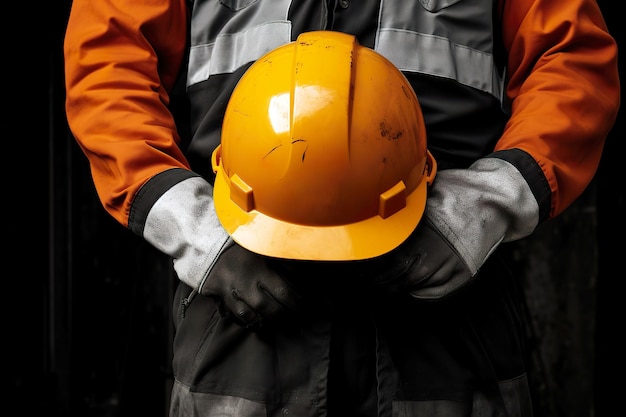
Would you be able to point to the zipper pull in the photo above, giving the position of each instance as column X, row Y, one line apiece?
column 185, row 303
column 183, row 307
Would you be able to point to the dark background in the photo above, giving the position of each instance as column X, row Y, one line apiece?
column 89, row 311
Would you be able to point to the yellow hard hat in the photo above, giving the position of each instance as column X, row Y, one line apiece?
column 323, row 153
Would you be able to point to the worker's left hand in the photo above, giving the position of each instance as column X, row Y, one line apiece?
column 249, row 287
column 469, row 212
column 426, row 265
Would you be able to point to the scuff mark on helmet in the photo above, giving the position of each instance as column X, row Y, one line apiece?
column 305, row 149
column 388, row 133
column 271, row 150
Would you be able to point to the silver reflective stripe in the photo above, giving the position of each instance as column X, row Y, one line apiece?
column 254, row 28
column 429, row 37
column 432, row 55
column 231, row 51
column 187, row 403
column 433, row 37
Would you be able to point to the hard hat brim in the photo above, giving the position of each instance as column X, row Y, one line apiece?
column 360, row 240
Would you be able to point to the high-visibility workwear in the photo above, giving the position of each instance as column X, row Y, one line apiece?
column 514, row 94
column 455, row 68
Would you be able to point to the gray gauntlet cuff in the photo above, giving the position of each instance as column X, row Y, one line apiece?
column 477, row 208
column 183, row 224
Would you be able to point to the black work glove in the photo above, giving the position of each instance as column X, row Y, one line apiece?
column 249, row 288
column 469, row 213
column 425, row 265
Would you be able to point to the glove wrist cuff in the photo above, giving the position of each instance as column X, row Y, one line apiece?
column 477, row 208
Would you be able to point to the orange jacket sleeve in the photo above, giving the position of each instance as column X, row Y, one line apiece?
column 121, row 60
column 563, row 88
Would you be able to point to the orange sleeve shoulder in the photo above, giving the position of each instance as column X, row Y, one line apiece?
column 563, row 86
column 121, row 60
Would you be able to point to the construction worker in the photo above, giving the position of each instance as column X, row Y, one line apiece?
column 335, row 184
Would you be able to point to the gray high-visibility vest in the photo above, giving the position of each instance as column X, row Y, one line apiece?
column 427, row 36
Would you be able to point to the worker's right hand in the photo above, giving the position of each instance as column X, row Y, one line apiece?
column 248, row 287
column 469, row 213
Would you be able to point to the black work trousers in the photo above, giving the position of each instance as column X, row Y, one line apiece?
column 356, row 353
